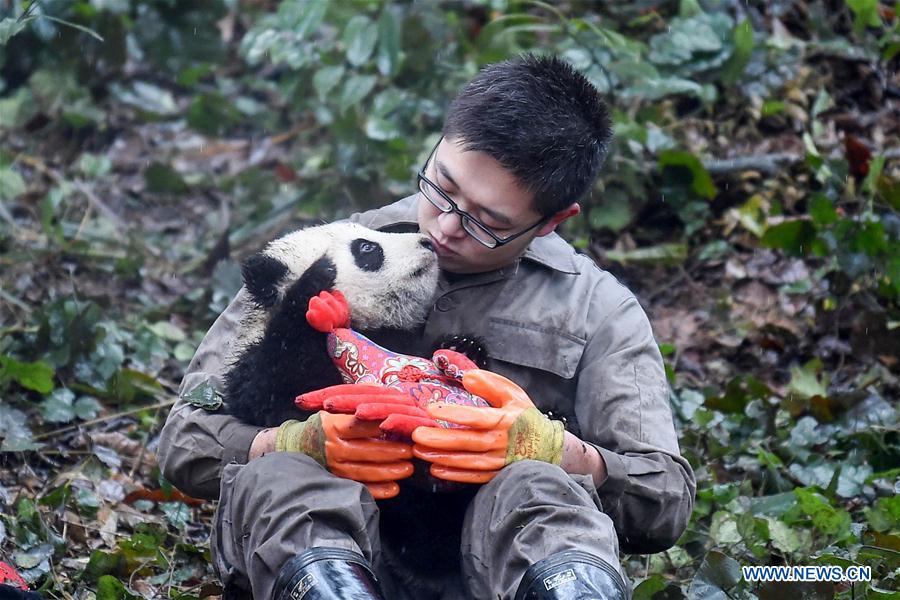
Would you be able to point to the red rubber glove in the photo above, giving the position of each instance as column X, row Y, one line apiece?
column 492, row 438
column 328, row 311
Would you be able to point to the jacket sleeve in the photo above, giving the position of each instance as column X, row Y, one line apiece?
column 196, row 443
column 622, row 406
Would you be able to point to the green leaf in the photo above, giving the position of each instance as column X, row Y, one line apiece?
column 821, row 210
column 794, row 237
column 663, row 254
column 355, row 90
column 827, row 519
column 163, row 179
column 147, row 97
column 865, row 14
column 805, row 380
column 168, row 331
column 325, row 79
column 387, row 59
column 87, row 408
column 381, row 129
column 57, row 408
column 360, row 36
column 10, row 26
column 110, row 588
column 715, row 577
column 613, row 212
column 37, row 376
column 702, row 184
column 204, row 396
column 771, row 108
column 178, row 514
column 743, row 49
column 11, row 184
column 94, row 165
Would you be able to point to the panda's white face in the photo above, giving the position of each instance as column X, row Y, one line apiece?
column 388, row 278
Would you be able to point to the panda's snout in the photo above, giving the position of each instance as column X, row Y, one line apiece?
column 426, row 243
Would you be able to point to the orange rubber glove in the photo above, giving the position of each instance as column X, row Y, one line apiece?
column 349, row 448
column 510, row 431
column 395, row 411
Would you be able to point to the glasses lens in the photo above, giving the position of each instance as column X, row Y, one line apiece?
column 478, row 232
column 434, row 196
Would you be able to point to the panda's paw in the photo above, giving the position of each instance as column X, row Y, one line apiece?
column 328, row 311
column 472, row 347
column 452, row 363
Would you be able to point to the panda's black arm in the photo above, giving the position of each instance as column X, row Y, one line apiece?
column 290, row 359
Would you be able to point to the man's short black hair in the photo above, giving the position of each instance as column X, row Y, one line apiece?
column 539, row 118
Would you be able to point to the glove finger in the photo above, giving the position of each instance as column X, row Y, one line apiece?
column 337, row 307
column 404, row 425
column 348, row 427
column 479, row 417
column 376, row 411
column 369, row 472
column 383, row 491
column 491, row 460
column 460, row 439
column 319, row 316
column 367, row 450
column 496, row 389
column 316, row 399
column 462, row 475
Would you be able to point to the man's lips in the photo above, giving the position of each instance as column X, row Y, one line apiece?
column 441, row 249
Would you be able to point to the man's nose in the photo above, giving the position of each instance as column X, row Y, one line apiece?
column 450, row 225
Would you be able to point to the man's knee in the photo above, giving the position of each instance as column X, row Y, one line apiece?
column 528, row 482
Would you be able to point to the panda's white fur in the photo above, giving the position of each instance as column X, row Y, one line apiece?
column 396, row 295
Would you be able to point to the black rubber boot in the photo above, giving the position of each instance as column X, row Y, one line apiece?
column 571, row 575
column 327, row 574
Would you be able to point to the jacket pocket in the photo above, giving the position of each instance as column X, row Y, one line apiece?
column 534, row 346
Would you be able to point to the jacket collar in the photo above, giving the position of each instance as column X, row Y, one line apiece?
column 550, row 250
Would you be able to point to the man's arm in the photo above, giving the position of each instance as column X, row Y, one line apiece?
column 197, row 443
column 622, row 407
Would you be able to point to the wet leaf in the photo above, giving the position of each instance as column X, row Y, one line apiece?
column 702, row 184
column 360, row 36
column 204, row 396
column 717, row 575
column 37, row 376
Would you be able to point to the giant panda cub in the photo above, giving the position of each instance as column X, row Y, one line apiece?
column 389, row 280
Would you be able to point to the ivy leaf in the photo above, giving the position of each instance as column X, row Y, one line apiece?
column 17, row 437
column 11, row 183
column 360, row 36
column 702, row 184
column 10, row 26
column 37, row 376
column 58, row 407
column 827, row 519
column 204, row 396
column 388, row 56
column 716, row 576
column 805, row 380
column 355, row 90
column 325, row 79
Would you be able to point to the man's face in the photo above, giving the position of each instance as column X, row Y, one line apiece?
column 481, row 187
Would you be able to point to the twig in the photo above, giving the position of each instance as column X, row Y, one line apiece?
column 96, row 202
column 124, row 413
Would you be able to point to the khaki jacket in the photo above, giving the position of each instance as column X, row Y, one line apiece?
column 565, row 330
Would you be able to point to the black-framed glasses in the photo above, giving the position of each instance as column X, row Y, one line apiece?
column 478, row 230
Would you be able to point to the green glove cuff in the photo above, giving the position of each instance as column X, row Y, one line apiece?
column 535, row 437
column 307, row 437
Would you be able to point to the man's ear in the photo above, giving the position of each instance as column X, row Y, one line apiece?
column 566, row 213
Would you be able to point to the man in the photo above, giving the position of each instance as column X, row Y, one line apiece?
column 521, row 144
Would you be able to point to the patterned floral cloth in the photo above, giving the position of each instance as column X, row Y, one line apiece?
column 360, row 360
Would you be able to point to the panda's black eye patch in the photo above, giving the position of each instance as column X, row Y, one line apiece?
column 369, row 256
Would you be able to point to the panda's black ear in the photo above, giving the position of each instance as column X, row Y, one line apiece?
column 262, row 274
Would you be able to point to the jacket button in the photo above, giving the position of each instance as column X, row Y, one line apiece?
column 444, row 304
